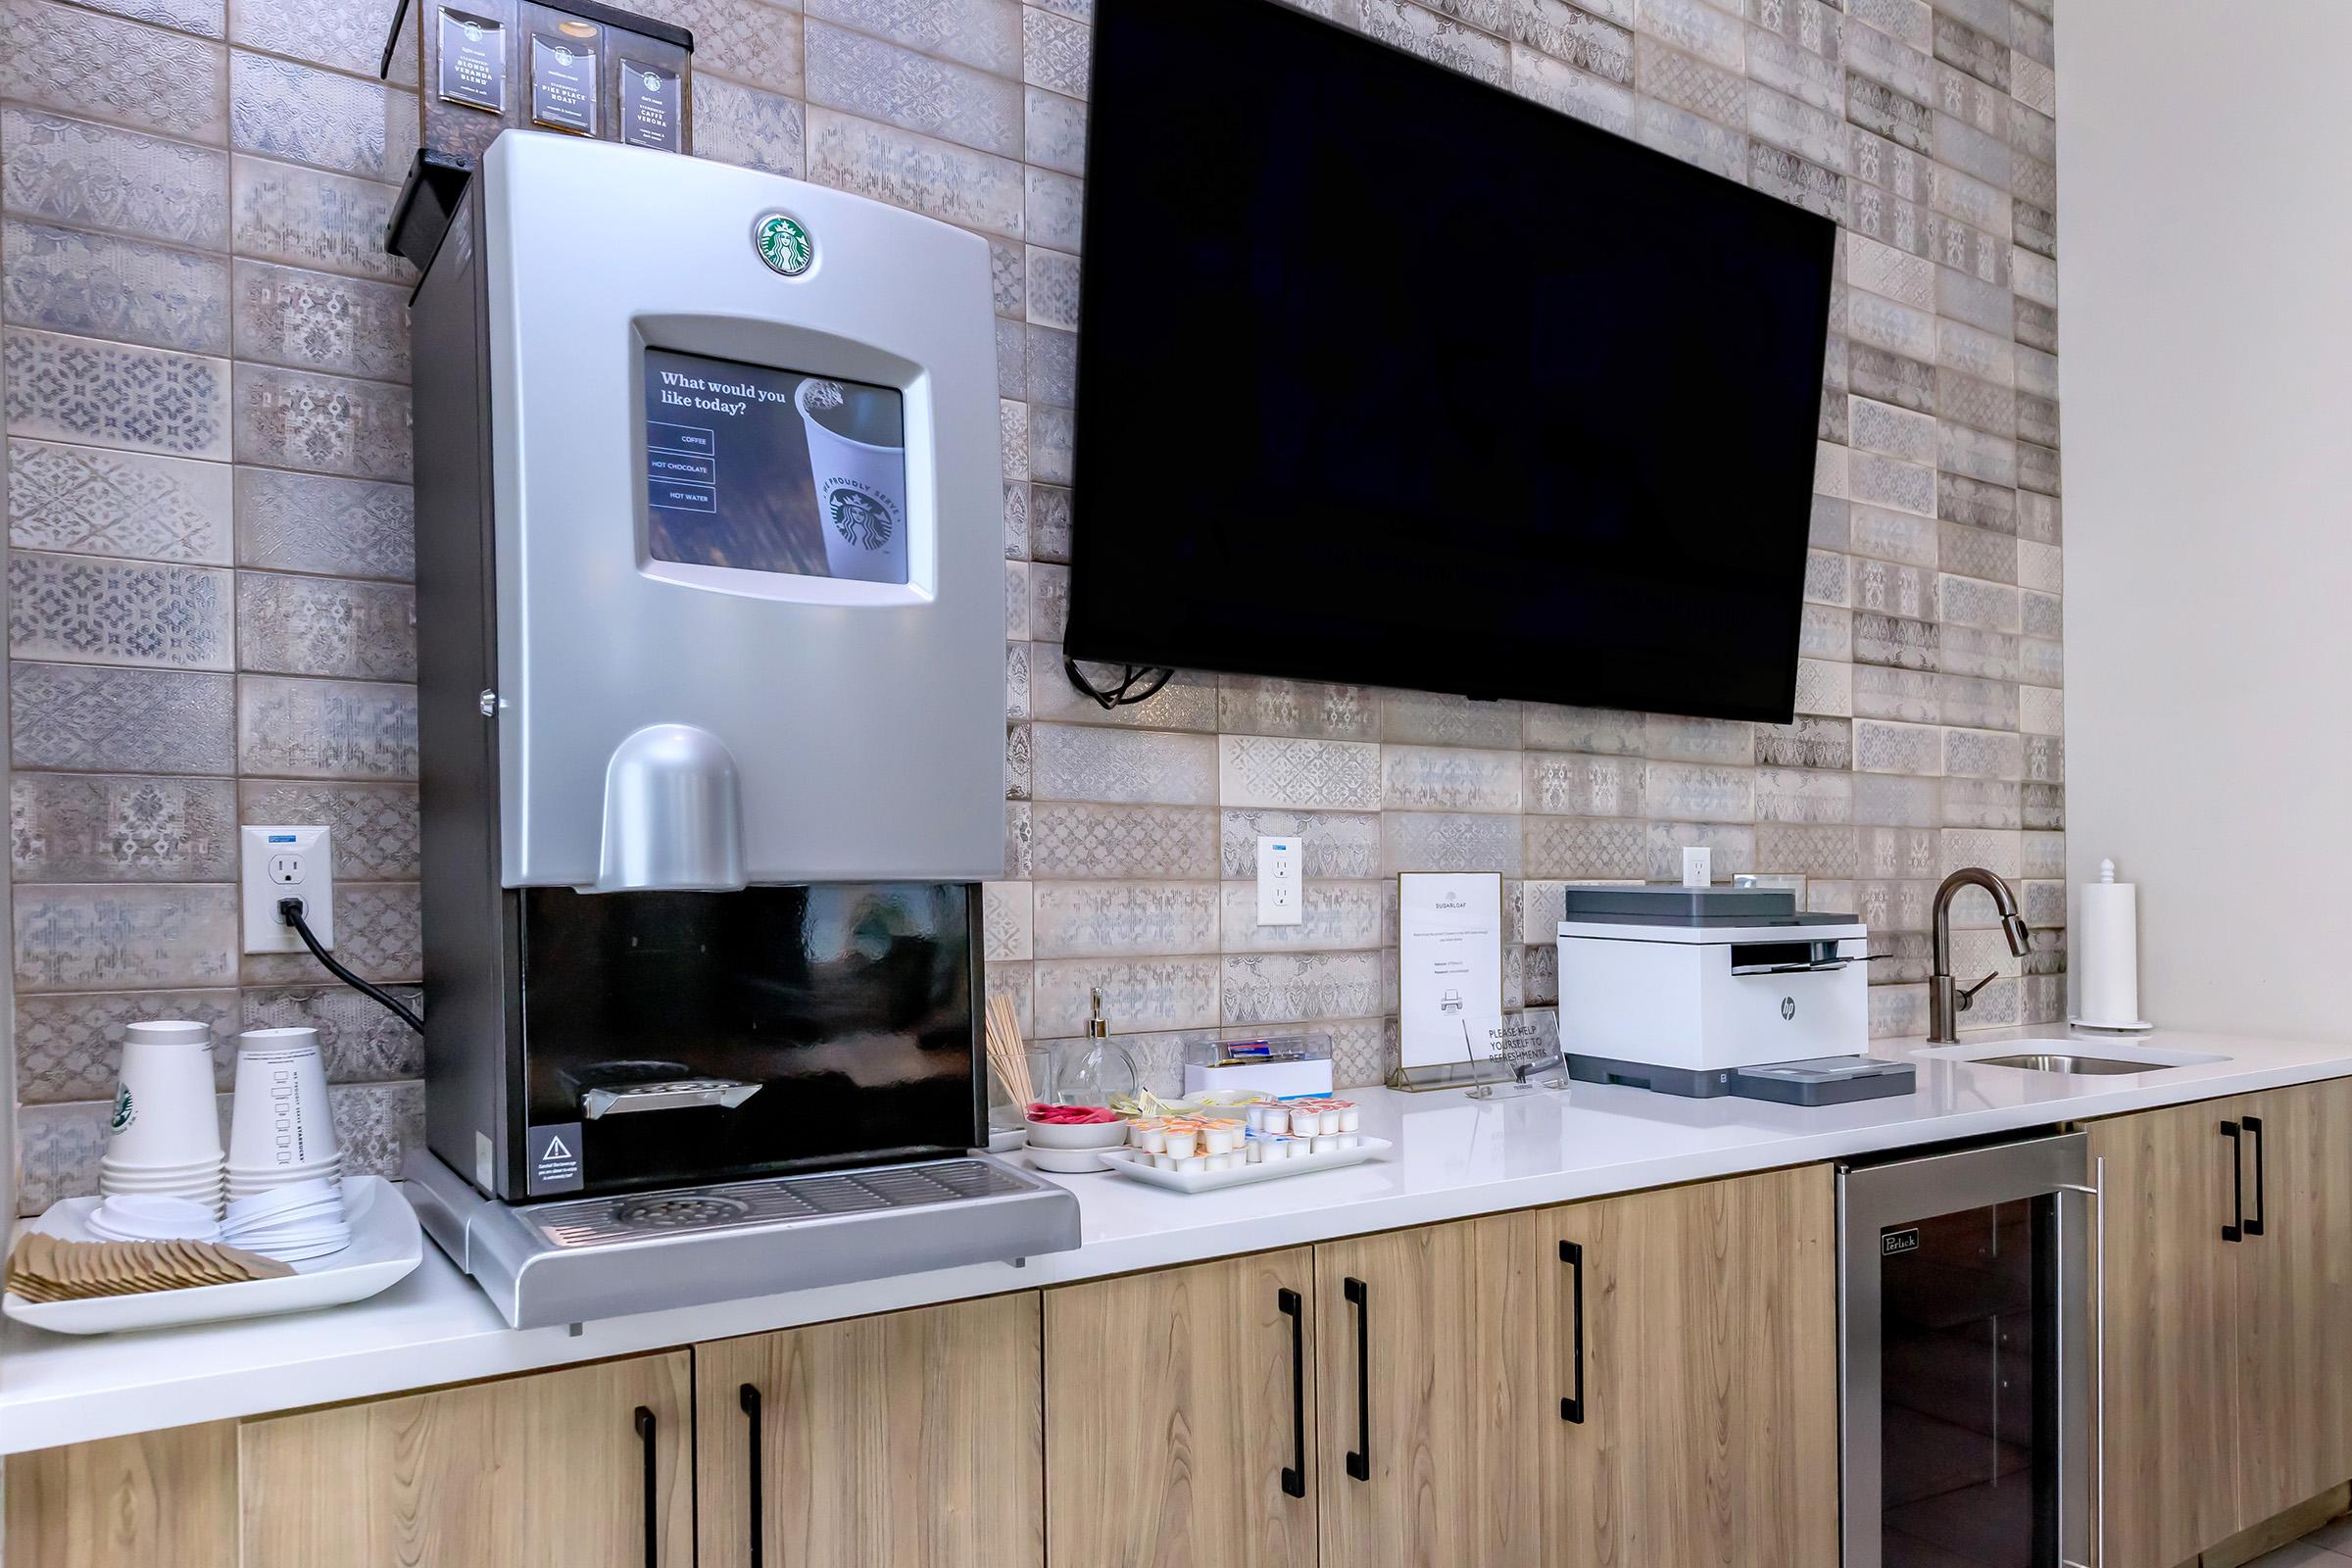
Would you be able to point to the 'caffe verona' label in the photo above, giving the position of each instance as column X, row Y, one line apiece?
column 649, row 105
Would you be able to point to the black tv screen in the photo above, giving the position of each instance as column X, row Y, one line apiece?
column 1389, row 376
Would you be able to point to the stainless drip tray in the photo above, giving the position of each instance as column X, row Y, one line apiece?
column 604, row 1221
column 596, row 1258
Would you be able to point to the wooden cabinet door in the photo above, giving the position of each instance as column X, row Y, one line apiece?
column 1431, row 1395
column 1181, row 1417
column 2169, row 1397
column 911, row 1440
column 2294, row 1299
column 160, row 1499
column 590, row 1465
column 1709, row 1408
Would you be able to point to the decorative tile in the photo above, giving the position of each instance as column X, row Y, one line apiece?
column 1187, row 702
column 1583, row 848
column 1056, row 52
column 1698, row 28
column 1016, row 680
column 1273, row 706
column 1008, row 277
column 90, row 610
column 1672, row 738
column 1451, row 841
column 1076, row 840
column 319, row 321
column 378, row 834
column 1699, row 792
column 1670, row 76
column 94, row 502
column 1807, row 850
column 1570, row 784
column 1887, row 748
column 1138, row 993
column 1123, row 766
column 1564, row 89
column 98, row 719
column 1055, row 133
column 1334, row 845
column 1018, row 841
column 57, row 1150
column 1116, row 919
column 1017, row 545
column 325, row 626
column 1679, row 133
column 69, row 1045
column 362, row 1041
column 2041, row 711
column 1012, row 433
column 69, row 280
column 1334, row 915
column 1445, row 779
column 938, row 180
column 738, row 125
column 1017, row 982
column 1803, row 796
column 975, row 32
column 1005, row 930
column 325, row 728
column 104, row 177
column 306, row 218
column 1982, row 802
column 1339, row 776
column 378, row 1124
column 127, row 937
column 1053, row 291
column 312, row 522
column 379, row 932
column 1808, row 742
column 328, row 423
column 878, row 80
column 1402, row 24
column 753, row 42
column 79, row 827
column 1734, row 847
column 324, row 33
column 1306, row 987
column 113, row 395
column 1897, row 853
column 1054, row 206
column 1052, row 369
column 1018, row 769
column 1431, row 719
column 305, row 116
column 1053, row 445
column 61, row 57
column 1967, row 602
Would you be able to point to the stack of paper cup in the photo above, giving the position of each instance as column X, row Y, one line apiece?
column 165, row 1137
column 280, row 1130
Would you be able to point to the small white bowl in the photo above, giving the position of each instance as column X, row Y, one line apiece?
column 1057, row 1135
column 1067, row 1161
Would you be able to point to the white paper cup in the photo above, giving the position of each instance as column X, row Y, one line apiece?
column 165, row 1116
column 860, row 473
column 280, row 1123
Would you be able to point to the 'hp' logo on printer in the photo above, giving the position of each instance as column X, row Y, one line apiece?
column 1788, row 1007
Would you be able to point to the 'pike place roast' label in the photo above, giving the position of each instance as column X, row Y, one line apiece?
column 474, row 61
column 563, row 83
column 649, row 105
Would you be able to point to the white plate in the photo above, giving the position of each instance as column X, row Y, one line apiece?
column 386, row 1246
column 1137, row 1165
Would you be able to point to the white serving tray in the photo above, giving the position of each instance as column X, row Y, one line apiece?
column 386, row 1246
column 1134, row 1165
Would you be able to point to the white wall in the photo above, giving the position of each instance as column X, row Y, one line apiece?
column 2205, row 355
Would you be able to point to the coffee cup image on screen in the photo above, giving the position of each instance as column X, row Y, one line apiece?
column 759, row 468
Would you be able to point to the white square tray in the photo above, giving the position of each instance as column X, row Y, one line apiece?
column 1134, row 1165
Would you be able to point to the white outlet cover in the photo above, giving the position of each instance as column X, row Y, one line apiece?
column 1281, row 881
column 275, row 862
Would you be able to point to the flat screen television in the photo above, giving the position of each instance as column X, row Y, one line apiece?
column 1389, row 376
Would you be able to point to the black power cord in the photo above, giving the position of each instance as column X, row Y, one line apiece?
column 289, row 910
column 1149, row 678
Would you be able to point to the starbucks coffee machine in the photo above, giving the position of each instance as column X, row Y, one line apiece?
column 711, row 625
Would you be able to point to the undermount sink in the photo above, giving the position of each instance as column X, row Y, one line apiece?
column 2052, row 1063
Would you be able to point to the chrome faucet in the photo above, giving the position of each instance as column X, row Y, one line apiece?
column 1946, row 1003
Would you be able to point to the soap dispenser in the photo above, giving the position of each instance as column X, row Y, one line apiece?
column 1104, row 1070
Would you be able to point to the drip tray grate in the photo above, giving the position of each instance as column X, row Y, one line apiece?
column 601, row 1221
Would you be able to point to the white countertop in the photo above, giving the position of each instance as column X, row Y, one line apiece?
column 1454, row 1158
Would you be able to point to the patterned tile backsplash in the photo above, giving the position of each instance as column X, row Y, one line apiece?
column 211, row 530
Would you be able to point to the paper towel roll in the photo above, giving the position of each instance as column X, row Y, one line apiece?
column 2104, row 951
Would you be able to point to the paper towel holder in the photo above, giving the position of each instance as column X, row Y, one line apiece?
column 2117, row 903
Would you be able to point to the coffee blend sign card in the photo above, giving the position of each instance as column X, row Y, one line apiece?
column 758, row 469
column 649, row 105
column 564, row 82
column 474, row 61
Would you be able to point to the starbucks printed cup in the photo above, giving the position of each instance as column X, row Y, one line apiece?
column 280, row 1125
column 164, row 1119
column 857, row 456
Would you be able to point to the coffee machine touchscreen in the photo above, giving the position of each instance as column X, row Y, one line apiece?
column 765, row 469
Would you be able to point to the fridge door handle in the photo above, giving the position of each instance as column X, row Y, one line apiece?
column 2096, row 1191
column 2235, row 1230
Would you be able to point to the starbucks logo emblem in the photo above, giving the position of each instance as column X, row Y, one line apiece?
column 783, row 244
column 473, row 31
column 652, row 84
column 861, row 514
column 563, row 55
column 124, row 1115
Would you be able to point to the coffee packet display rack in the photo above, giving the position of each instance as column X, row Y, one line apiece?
column 577, row 69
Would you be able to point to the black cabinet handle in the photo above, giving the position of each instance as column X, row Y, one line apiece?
column 653, row 1490
column 1294, row 1475
column 2235, row 1230
column 2262, row 1204
column 1572, row 1254
column 749, row 1398
column 1359, row 1458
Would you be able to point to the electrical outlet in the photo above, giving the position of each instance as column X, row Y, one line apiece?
column 287, row 863
column 1281, row 881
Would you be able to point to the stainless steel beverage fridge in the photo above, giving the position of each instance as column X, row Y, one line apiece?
column 1970, row 1364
